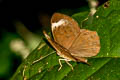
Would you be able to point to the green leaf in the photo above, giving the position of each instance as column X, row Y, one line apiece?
column 104, row 66
column 110, row 71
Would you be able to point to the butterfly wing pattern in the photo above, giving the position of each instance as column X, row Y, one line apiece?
column 64, row 29
column 80, row 42
column 87, row 44
column 71, row 42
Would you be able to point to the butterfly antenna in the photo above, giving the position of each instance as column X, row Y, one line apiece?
column 46, row 35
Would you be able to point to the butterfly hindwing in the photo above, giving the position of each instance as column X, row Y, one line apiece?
column 87, row 44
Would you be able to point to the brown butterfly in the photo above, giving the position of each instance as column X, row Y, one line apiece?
column 71, row 42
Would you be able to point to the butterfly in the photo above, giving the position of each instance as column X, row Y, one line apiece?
column 70, row 42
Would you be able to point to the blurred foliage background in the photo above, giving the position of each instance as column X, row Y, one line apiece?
column 21, row 25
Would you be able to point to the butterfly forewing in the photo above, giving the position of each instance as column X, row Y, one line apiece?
column 64, row 29
column 87, row 44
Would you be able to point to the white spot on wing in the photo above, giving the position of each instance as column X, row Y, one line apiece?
column 59, row 23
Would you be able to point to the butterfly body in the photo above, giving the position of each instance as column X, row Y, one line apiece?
column 61, row 51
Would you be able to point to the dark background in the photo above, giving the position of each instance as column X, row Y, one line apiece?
column 30, row 14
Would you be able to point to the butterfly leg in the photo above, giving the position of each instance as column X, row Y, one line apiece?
column 23, row 73
column 60, row 64
column 42, row 58
column 69, row 64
